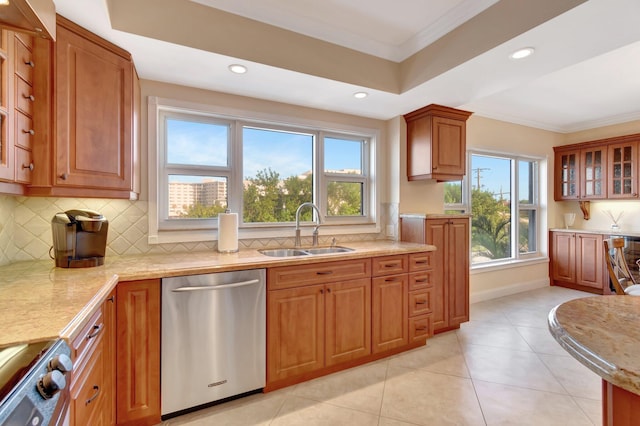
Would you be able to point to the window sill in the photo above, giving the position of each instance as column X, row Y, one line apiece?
column 192, row 236
column 507, row 264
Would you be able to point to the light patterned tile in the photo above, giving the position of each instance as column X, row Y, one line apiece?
column 300, row 411
column 577, row 379
column 508, row 405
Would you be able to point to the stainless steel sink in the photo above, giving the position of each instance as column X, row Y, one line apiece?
column 327, row 250
column 283, row 252
column 309, row 251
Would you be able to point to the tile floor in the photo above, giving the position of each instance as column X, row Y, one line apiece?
column 501, row 368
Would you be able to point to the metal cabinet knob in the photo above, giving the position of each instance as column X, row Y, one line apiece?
column 63, row 176
column 30, row 131
column 30, row 97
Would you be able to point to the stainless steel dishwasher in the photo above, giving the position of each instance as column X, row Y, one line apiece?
column 213, row 338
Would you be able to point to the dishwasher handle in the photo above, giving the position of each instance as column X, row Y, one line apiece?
column 216, row 287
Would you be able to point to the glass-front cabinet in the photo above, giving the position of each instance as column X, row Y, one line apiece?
column 567, row 184
column 593, row 172
column 623, row 170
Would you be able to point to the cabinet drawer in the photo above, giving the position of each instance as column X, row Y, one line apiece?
column 388, row 265
column 419, row 303
column 24, row 97
column 24, row 130
column 24, row 61
column 420, row 261
column 88, row 337
column 88, row 390
column 420, row 328
column 420, row 280
column 318, row 273
column 23, row 159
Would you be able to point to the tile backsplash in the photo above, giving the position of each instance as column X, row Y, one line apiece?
column 25, row 228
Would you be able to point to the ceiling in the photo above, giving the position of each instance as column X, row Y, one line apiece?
column 405, row 54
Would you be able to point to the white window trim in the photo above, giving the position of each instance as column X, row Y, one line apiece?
column 518, row 258
column 330, row 227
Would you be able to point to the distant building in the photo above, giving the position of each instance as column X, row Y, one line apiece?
column 183, row 195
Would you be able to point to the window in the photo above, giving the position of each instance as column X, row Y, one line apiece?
column 209, row 162
column 502, row 194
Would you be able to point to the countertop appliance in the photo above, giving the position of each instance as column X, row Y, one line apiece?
column 79, row 238
column 33, row 387
column 213, row 338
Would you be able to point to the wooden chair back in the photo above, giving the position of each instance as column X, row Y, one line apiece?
column 619, row 272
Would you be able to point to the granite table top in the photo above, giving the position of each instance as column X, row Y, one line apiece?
column 603, row 333
column 39, row 301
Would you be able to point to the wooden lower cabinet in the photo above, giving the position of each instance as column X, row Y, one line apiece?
column 316, row 326
column 92, row 385
column 390, row 312
column 577, row 261
column 449, row 272
column 138, row 352
column 329, row 316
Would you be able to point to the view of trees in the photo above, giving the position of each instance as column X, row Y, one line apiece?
column 490, row 222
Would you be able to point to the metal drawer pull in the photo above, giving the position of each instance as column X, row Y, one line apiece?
column 421, row 302
column 420, row 262
column 422, row 280
column 324, row 272
column 391, row 264
column 30, row 131
column 29, row 166
column 30, row 63
column 96, row 388
column 423, row 328
column 390, row 280
column 96, row 330
column 30, row 97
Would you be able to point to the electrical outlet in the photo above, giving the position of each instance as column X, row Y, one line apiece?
column 390, row 231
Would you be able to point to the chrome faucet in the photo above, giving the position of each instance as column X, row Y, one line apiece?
column 315, row 231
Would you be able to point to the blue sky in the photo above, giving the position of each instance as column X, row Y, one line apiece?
column 290, row 154
column 495, row 175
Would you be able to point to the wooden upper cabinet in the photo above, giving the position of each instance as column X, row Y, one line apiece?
column 436, row 143
column 87, row 144
column 598, row 170
column 623, row 170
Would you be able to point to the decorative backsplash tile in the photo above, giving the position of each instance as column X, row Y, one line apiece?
column 25, row 228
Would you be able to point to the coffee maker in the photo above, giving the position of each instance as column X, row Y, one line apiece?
column 79, row 238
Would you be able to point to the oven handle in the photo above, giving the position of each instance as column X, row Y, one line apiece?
column 216, row 287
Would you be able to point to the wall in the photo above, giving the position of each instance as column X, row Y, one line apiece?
column 599, row 218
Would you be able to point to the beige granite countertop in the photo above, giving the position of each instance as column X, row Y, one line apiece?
column 41, row 302
column 621, row 232
column 603, row 333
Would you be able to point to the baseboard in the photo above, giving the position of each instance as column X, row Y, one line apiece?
column 494, row 293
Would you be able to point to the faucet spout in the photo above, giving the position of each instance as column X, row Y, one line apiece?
column 298, row 242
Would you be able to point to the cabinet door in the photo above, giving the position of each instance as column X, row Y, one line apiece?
column 295, row 333
column 563, row 256
column 7, row 163
column 449, row 147
column 567, row 175
column 348, row 320
column 437, row 235
column 593, row 184
column 623, row 170
column 390, row 312
column 457, row 249
column 589, row 260
column 94, row 103
column 138, row 354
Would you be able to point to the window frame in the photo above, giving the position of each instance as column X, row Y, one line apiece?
column 516, row 207
column 206, row 229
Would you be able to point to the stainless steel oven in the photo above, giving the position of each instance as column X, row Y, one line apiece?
column 33, row 388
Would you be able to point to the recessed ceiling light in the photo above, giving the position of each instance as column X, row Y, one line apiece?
column 360, row 95
column 522, row 53
column 237, row 68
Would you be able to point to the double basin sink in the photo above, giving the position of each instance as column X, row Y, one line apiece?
column 310, row 251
